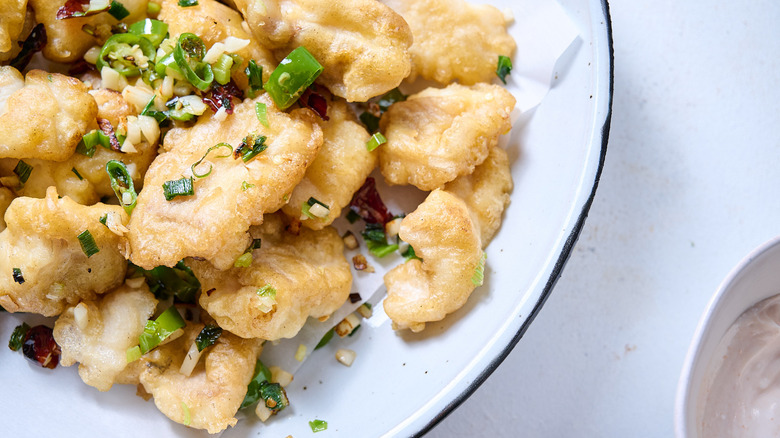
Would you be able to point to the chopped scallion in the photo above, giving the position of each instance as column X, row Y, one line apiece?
column 17, row 337
column 370, row 121
column 133, row 353
column 88, row 244
column 217, row 146
column 325, row 339
column 122, row 184
column 250, row 146
column 294, row 74
column 104, row 219
column 208, row 336
column 118, row 10
column 375, row 141
column 318, row 425
column 188, row 54
column 81, row 178
column 244, row 260
column 409, row 254
column 390, row 98
column 246, row 186
column 352, row 217
column 260, row 388
column 91, row 139
column 178, row 187
column 153, row 30
column 159, row 329
column 184, row 408
column 479, row 272
column 504, row 67
column 254, row 73
column 262, row 113
column 178, row 281
column 188, row 3
column 23, row 171
column 17, row 275
column 153, row 8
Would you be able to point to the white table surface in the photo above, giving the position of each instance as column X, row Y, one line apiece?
column 689, row 187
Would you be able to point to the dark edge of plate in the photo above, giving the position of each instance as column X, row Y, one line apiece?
column 562, row 259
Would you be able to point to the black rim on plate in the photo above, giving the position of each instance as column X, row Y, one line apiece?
column 565, row 253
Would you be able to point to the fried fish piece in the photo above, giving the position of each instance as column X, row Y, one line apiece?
column 436, row 135
column 12, row 14
column 41, row 242
column 213, row 22
column 308, row 272
column 97, row 333
column 45, row 118
column 67, row 42
column 486, row 192
column 362, row 44
column 455, row 40
column 442, row 233
column 210, row 397
column 339, row 170
column 6, row 196
column 213, row 222
column 84, row 179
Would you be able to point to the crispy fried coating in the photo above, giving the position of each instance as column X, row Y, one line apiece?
column 46, row 118
column 41, row 241
column 442, row 233
column 439, row 134
column 455, row 40
column 67, row 42
column 99, row 338
column 213, row 222
column 362, row 44
column 339, row 170
column 212, row 394
column 12, row 13
column 6, row 196
column 309, row 272
column 213, row 22
column 486, row 192
column 84, row 179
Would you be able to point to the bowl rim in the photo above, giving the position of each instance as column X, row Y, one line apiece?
column 692, row 357
column 603, row 24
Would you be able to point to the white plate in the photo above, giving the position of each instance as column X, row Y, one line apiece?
column 401, row 384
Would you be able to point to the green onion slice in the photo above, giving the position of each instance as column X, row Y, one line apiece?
column 208, row 336
column 262, row 113
column 267, row 291
column 104, row 219
column 293, row 75
column 250, row 147
column 504, row 67
column 217, row 146
column 81, row 178
column 17, row 337
column 376, row 240
column 246, row 186
column 325, row 339
column 184, row 408
column 318, row 425
column 188, row 53
column 122, row 184
column 119, row 52
column 260, row 388
column 118, row 10
column 164, row 282
column 254, row 73
column 188, row 3
column 375, row 141
column 409, row 254
column 479, row 272
column 91, row 139
column 23, row 171
column 16, row 273
column 88, row 244
column 390, row 98
column 370, row 121
column 132, row 354
column 158, row 330
column 153, row 30
column 244, row 260
column 178, row 187
column 222, row 69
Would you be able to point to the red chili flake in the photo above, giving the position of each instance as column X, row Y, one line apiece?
column 32, row 44
column 210, row 291
column 108, row 129
column 39, row 346
column 74, row 8
column 369, row 205
column 221, row 96
column 311, row 98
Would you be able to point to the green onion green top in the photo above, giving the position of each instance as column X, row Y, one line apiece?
column 479, row 272
column 23, row 171
column 188, row 54
column 325, row 339
column 118, row 10
column 318, row 425
column 17, row 337
column 294, row 74
column 16, row 273
column 217, row 146
column 122, row 184
column 153, row 30
column 178, row 187
column 375, row 141
column 91, row 139
column 250, row 147
column 208, row 336
column 504, row 67
column 187, row 3
column 260, row 388
column 159, row 329
column 88, row 244
column 254, row 73
column 262, row 113
column 164, row 282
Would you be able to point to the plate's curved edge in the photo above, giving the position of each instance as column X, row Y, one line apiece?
column 562, row 259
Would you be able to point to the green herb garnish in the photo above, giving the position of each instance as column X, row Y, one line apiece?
column 208, row 336
column 504, row 67
column 88, row 244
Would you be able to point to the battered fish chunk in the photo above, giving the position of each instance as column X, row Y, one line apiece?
column 67, row 42
column 442, row 233
column 439, row 134
column 82, row 178
column 339, row 170
column 6, row 196
column 45, row 118
column 212, row 394
column 213, row 222
column 362, row 44
column 486, row 192
column 105, row 328
column 213, row 22
column 12, row 13
column 41, row 241
column 308, row 271
column 455, row 40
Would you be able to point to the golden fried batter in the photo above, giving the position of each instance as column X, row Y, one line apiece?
column 41, row 241
column 84, row 179
column 309, row 272
column 439, row 134
column 98, row 333
column 442, row 233
column 212, row 394
column 12, row 13
column 486, row 192
column 213, row 222
column 67, row 42
column 362, row 44
column 339, row 170
column 454, row 40
column 6, row 196
column 46, row 118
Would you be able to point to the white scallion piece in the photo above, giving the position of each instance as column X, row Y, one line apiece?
column 262, row 411
column 350, row 241
column 347, row 324
column 190, row 360
column 345, row 356
column 319, row 210
column 365, row 311
column 149, row 129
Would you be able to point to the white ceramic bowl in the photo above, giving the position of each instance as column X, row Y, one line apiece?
column 754, row 279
